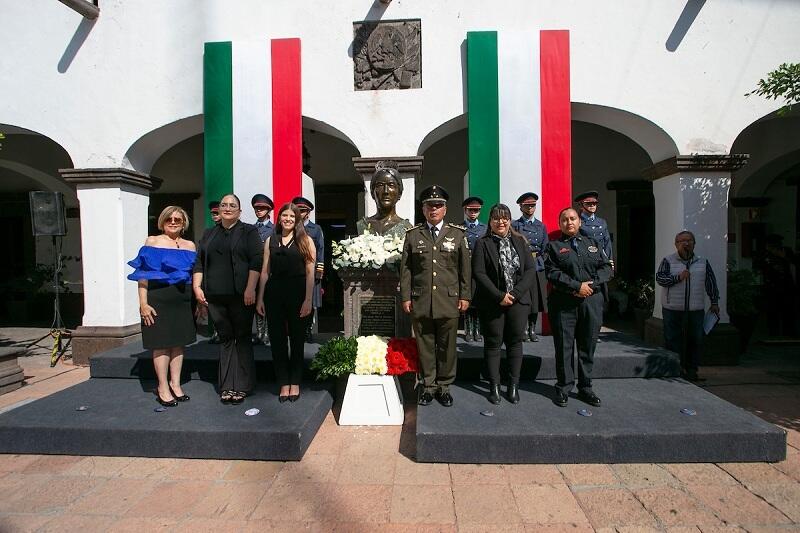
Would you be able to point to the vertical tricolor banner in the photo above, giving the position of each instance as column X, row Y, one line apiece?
column 252, row 120
column 519, row 118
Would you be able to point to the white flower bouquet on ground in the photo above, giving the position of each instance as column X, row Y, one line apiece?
column 368, row 251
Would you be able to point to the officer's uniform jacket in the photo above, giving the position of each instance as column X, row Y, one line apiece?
column 315, row 232
column 265, row 229
column 567, row 267
column 435, row 275
column 597, row 229
column 535, row 233
column 474, row 232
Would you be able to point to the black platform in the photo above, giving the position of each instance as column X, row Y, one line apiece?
column 640, row 421
column 617, row 356
column 121, row 421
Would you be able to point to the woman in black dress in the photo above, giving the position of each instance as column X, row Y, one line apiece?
column 225, row 279
column 285, row 289
column 504, row 271
column 163, row 271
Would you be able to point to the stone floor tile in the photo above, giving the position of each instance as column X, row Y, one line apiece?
column 14, row 486
column 491, row 528
column 16, row 463
column 791, row 465
column 486, row 474
column 171, row 499
column 793, row 438
column 786, row 498
column 327, row 441
column 410, row 472
column 756, row 473
column 721, row 529
column 137, row 524
column 643, row 475
column 735, row 505
column 253, row 470
column 83, row 523
column 428, row 504
column 359, row 503
column 485, row 504
column 588, row 474
column 700, row 474
column 22, row 523
column 312, row 469
column 271, row 526
column 673, row 507
column 208, row 525
column 371, row 443
column 559, row 528
column 52, row 464
column 99, row 466
column 114, row 497
column 612, row 507
column 149, row 467
column 207, row 469
column 231, row 500
column 54, row 494
column 298, row 502
column 548, row 504
column 533, row 474
column 638, row 529
column 365, row 469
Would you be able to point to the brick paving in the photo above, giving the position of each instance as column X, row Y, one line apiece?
column 365, row 479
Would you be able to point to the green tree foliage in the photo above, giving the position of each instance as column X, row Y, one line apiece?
column 783, row 82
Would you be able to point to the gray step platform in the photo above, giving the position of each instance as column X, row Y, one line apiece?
column 120, row 421
column 617, row 356
column 640, row 421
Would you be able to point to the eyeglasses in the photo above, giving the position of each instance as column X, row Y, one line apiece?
column 502, row 220
column 230, row 206
column 174, row 220
column 432, row 205
column 685, row 241
column 528, row 205
column 590, row 204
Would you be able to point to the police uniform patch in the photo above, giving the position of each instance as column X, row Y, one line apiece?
column 563, row 250
column 592, row 249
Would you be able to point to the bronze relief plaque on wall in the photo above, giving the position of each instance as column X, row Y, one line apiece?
column 387, row 55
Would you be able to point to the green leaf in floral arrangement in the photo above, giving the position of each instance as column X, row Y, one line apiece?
column 335, row 358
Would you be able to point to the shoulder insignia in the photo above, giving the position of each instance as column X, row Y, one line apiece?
column 457, row 226
column 414, row 227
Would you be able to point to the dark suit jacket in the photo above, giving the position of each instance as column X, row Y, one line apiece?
column 247, row 252
column 486, row 272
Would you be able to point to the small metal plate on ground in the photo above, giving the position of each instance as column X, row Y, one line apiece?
column 584, row 412
column 160, row 409
column 689, row 412
column 82, row 408
column 252, row 412
column 487, row 413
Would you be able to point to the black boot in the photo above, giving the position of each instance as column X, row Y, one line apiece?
column 468, row 327
column 494, row 393
column 476, row 324
column 513, row 393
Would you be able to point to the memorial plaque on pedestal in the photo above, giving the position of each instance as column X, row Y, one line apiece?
column 378, row 315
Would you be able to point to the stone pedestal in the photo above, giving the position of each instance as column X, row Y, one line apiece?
column 372, row 303
column 11, row 375
column 372, row 401
column 113, row 204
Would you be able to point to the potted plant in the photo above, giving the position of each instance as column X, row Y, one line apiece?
column 743, row 291
column 641, row 296
column 336, row 359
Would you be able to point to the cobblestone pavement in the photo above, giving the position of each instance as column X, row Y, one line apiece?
column 364, row 479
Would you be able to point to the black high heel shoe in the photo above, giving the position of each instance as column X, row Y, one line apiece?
column 182, row 398
column 166, row 403
column 494, row 393
column 513, row 393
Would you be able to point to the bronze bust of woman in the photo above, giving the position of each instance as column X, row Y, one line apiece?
column 385, row 188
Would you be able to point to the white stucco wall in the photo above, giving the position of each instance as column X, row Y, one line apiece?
column 97, row 88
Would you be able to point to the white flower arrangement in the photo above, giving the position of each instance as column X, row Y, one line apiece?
column 371, row 355
column 368, row 251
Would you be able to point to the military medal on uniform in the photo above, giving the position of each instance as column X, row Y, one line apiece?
column 449, row 244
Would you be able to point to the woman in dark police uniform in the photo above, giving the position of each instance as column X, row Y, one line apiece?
column 504, row 272
column 225, row 279
column 164, row 271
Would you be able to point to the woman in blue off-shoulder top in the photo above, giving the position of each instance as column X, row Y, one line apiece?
column 163, row 271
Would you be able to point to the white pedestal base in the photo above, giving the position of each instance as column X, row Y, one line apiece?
column 372, row 401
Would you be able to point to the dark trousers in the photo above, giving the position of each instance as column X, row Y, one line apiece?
column 436, row 344
column 504, row 325
column 575, row 321
column 234, row 321
column 287, row 337
column 780, row 311
column 674, row 324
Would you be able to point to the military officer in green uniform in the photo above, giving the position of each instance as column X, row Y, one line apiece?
column 435, row 287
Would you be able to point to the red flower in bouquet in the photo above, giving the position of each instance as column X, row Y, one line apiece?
column 402, row 356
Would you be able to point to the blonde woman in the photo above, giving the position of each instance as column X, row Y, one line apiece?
column 163, row 270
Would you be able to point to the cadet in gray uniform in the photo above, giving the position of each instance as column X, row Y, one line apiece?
column 592, row 225
column 315, row 232
column 577, row 267
column 535, row 232
column 475, row 230
column 435, row 286
column 262, row 207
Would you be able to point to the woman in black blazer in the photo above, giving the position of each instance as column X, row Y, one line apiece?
column 225, row 278
column 504, row 272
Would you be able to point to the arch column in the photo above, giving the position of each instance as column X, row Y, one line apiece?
column 691, row 193
column 113, row 206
